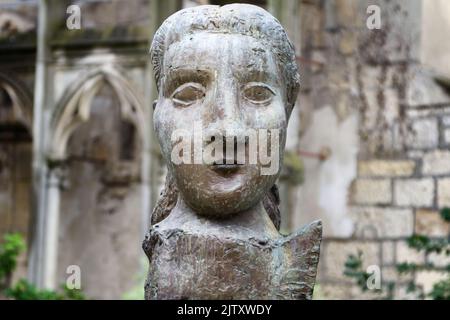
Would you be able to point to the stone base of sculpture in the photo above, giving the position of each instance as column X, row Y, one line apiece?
column 226, row 261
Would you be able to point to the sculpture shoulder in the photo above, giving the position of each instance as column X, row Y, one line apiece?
column 306, row 240
column 151, row 239
column 301, row 257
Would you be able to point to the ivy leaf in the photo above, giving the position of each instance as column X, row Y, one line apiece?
column 445, row 214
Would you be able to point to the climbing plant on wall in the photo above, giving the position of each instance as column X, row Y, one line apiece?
column 420, row 243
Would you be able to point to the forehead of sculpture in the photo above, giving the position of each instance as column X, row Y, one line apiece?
column 233, row 55
column 257, row 25
column 235, row 18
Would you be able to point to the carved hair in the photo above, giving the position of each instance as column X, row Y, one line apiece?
column 242, row 19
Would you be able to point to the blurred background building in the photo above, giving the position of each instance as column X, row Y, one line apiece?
column 367, row 151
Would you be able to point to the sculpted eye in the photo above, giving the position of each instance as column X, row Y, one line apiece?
column 258, row 93
column 188, row 93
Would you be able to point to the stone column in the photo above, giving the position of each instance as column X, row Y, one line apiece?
column 35, row 268
column 51, row 227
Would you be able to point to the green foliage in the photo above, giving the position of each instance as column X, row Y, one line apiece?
column 405, row 267
column 13, row 244
column 293, row 167
column 440, row 290
column 445, row 214
column 353, row 269
column 421, row 242
column 72, row 294
column 23, row 290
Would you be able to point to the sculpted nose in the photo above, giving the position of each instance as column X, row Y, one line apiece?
column 225, row 113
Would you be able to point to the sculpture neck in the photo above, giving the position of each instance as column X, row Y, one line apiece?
column 253, row 222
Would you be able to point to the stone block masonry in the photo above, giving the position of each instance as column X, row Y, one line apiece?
column 403, row 161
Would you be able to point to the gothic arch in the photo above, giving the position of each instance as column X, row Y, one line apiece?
column 75, row 105
column 21, row 98
column 72, row 110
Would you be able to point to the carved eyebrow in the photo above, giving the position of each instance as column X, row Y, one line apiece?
column 257, row 76
column 180, row 76
column 189, row 73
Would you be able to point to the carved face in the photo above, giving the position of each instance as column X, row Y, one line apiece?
column 226, row 85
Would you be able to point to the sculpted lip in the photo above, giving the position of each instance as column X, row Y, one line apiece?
column 226, row 168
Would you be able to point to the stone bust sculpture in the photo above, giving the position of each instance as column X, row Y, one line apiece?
column 227, row 79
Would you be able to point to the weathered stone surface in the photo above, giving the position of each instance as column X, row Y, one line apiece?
column 403, row 293
column 386, row 168
column 332, row 291
column 430, row 223
column 209, row 264
column 388, row 253
column 424, row 134
column 427, row 279
column 414, row 192
column 15, row 185
column 346, row 13
column 433, row 111
column 446, row 121
column 423, row 90
column 443, row 192
column 374, row 222
column 409, row 255
column 397, row 40
column 330, row 179
column 336, row 254
column 440, row 260
column 391, row 274
column 436, row 162
column 105, row 227
column 434, row 48
column 368, row 191
column 415, row 154
column 347, row 44
column 344, row 291
column 447, row 136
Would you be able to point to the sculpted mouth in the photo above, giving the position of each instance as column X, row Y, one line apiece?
column 226, row 168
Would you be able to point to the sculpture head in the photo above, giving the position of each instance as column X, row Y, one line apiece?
column 227, row 78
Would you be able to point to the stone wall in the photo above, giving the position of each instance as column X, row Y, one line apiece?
column 388, row 175
column 100, row 224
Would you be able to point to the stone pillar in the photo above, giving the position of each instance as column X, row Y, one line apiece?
column 35, row 270
column 51, row 227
